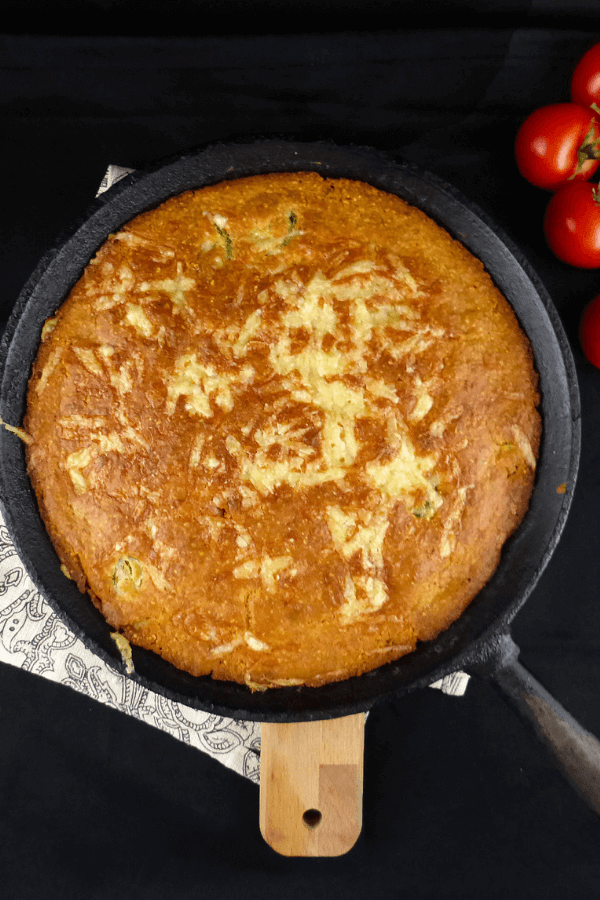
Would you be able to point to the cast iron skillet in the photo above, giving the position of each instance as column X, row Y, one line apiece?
column 479, row 641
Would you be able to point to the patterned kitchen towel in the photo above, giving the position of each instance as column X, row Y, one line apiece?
column 33, row 638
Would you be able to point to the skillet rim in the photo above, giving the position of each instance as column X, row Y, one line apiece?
column 362, row 692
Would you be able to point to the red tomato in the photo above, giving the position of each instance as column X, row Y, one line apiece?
column 585, row 84
column 556, row 144
column 572, row 224
column 589, row 331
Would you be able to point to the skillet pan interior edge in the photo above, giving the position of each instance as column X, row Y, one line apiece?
column 526, row 553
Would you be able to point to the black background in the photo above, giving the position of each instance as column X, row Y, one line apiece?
column 459, row 800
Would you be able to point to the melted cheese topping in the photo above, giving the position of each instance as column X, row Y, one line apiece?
column 266, row 568
column 74, row 464
column 176, row 288
column 136, row 317
column 525, row 447
column 316, row 376
column 366, row 592
column 198, row 383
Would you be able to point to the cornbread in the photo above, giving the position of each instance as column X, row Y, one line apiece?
column 281, row 428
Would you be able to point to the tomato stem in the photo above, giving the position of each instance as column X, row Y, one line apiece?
column 589, row 147
column 588, row 151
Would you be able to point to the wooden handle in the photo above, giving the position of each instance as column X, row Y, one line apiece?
column 311, row 780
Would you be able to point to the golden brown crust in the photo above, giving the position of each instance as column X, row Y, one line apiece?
column 282, row 428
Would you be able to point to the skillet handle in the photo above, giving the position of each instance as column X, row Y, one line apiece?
column 575, row 751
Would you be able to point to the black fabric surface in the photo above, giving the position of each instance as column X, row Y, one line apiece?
column 459, row 800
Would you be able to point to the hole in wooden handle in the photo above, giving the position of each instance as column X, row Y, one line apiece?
column 312, row 818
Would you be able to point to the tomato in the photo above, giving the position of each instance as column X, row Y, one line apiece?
column 589, row 331
column 557, row 144
column 572, row 224
column 585, row 84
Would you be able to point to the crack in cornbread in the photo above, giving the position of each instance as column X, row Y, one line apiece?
column 281, row 429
